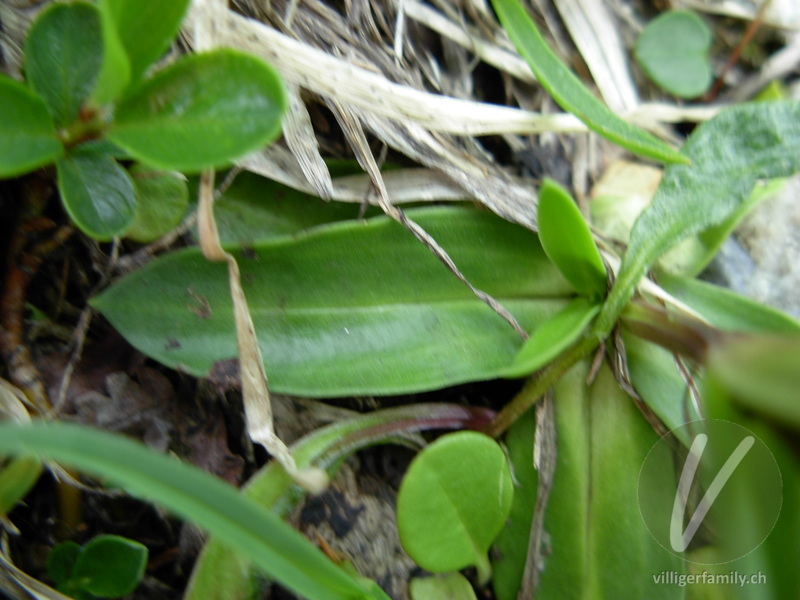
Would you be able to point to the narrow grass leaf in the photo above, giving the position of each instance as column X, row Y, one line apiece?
column 193, row 495
column 30, row 139
column 63, row 55
column 97, row 193
column 349, row 308
column 673, row 50
column 568, row 91
column 567, row 240
column 203, row 111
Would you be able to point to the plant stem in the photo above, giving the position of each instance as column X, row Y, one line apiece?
column 536, row 387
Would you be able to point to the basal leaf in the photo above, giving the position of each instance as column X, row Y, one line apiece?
column 204, row 110
column 349, row 308
column 146, row 28
column 110, row 566
column 567, row 241
column 61, row 561
column 97, row 193
column 115, row 72
column 673, row 52
column 161, row 202
column 192, row 494
column 452, row 586
column 552, row 337
column 63, row 55
column 728, row 153
column 29, row 140
column 568, row 91
column 453, row 502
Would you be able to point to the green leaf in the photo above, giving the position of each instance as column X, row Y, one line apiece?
column 110, row 566
column 29, row 140
column 63, row 54
column 17, row 478
column 452, row 586
column 332, row 323
column 194, row 495
column 552, row 337
column 255, row 208
column 97, row 193
column 508, row 563
column 204, row 110
column 145, row 28
column 567, row 241
column 725, row 309
column 115, row 71
column 673, row 50
column 597, row 536
column 729, row 153
column 161, row 201
column 570, row 93
column 453, row 502
column 61, row 561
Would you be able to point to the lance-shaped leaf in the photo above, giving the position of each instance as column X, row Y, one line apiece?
column 729, row 153
column 195, row 495
column 30, row 139
column 568, row 91
column 453, row 502
column 97, row 193
column 349, row 308
column 63, row 54
column 202, row 111
column 567, row 241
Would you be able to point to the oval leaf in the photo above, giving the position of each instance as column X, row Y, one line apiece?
column 63, row 55
column 567, row 241
column 193, row 494
column 161, row 201
column 673, row 51
column 110, row 566
column 97, row 193
column 331, row 323
column 29, row 140
column 203, row 111
column 61, row 561
column 145, row 28
column 115, row 71
column 552, row 337
column 452, row 586
column 568, row 91
column 453, row 502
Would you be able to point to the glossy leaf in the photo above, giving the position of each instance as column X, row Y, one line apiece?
column 452, row 586
column 349, row 308
column 592, row 519
column 568, row 91
column 673, row 50
column 110, row 566
column 453, row 502
column 729, row 153
column 97, row 193
column 552, row 337
column 115, row 71
column 204, row 110
column 146, row 28
column 161, row 202
column 725, row 309
column 508, row 563
column 192, row 494
column 567, row 241
column 63, row 54
column 30, row 139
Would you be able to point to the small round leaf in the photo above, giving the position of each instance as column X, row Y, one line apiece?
column 63, row 56
column 567, row 240
column 97, row 193
column 61, row 561
column 110, row 566
column 161, row 201
column 29, row 140
column 453, row 502
column 673, row 51
column 203, row 111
